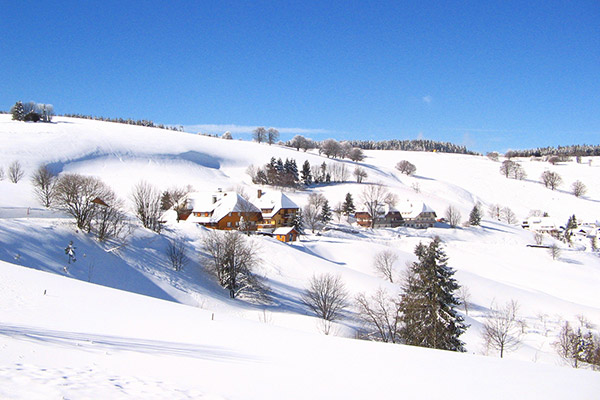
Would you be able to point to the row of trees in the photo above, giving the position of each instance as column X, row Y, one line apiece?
column 126, row 121
column 411, row 145
column 32, row 112
column 550, row 179
column 572, row 150
column 285, row 174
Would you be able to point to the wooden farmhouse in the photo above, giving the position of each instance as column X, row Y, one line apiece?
column 277, row 210
column 387, row 217
column 223, row 210
column 286, row 234
column 417, row 214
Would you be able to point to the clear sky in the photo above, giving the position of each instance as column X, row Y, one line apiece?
column 491, row 75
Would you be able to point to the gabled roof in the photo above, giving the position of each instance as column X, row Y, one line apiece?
column 411, row 209
column 273, row 201
column 218, row 204
column 284, row 230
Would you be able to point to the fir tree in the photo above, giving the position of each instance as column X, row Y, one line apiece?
column 298, row 222
column 348, row 206
column 306, row 174
column 475, row 216
column 571, row 226
column 325, row 212
column 428, row 303
column 18, row 112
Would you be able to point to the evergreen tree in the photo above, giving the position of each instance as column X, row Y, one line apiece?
column 18, row 112
column 294, row 172
column 298, row 222
column 475, row 216
column 325, row 212
column 428, row 303
column 348, row 206
column 571, row 226
column 306, row 174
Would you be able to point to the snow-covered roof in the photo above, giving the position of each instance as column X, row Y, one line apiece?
column 273, row 201
column 218, row 205
column 284, row 230
column 413, row 208
column 542, row 223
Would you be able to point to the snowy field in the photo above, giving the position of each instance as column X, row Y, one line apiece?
column 65, row 332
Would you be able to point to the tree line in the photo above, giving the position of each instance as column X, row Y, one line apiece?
column 571, row 150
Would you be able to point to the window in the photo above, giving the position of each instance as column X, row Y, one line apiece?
column 229, row 224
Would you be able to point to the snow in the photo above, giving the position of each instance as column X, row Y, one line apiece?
column 120, row 323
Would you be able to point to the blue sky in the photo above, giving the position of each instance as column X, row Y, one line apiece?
column 489, row 75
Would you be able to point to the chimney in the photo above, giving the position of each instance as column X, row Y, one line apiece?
column 259, row 194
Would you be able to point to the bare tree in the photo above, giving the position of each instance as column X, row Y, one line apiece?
column 464, row 294
column 538, row 237
column 1, row 174
column 501, row 330
column 508, row 215
column 578, row 188
column 571, row 345
column 453, row 216
column 517, row 172
column 374, row 196
column 177, row 254
column 298, row 142
column 326, row 296
column 551, row 179
column 317, row 200
column 176, row 198
column 331, row 148
column 81, row 196
column 43, row 181
column 311, row 217
column 272, row 135
column 15, row 172
column 554, row 251
column 506, row 167
column 494, row 211
column 147, row 202
column 380, row 317
column 109, row 220
column 356, row 154
column 384, row 264
column 232, row 258
column 360, row 174
column 259, row 134
column 406, row 167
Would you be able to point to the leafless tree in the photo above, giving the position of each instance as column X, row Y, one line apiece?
column 578, row 188
column 464, row 294
column 506, row 167
column 176, row 198
column 232, row 258
column 380, row 316
column 43, row 181
column 373, row 197
column 311, row 217
column 1, row 174
column 406, row 167
column 551, row 179
column 147, row 202
column 494, row 211
column 326, row 296
column 339, row 172
column 177, row 254
column 453, row 216
column 384, row 264
column 259, row 134
column 81, row 196
column 331, row 148
column 493, row 155
column 109, row 220
column 345, row 149
column 570, row 345
column 298, row 142
column 15, row 172
column 508, row 216
column 554, row 160
column 356, row 154
column 360, row 174
column 554, row 251
column 538, row 237
column 317, row 200
column 501, row 330
column 226, row 136
column 272, row 135
column 416, row 187
column 517, row 172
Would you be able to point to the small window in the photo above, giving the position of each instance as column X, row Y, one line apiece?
column 229, row 224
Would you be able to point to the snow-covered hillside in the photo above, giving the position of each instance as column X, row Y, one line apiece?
column 79, row 339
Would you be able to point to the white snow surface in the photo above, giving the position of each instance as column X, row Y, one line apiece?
column 120, row 323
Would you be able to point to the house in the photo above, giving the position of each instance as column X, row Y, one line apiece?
column 417, row 214
column 542, row 225
column 223, row 210
column 277, row 210
column 286, row 234
column 387, row 217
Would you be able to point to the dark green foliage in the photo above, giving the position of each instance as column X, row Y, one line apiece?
column 306, row 175
column 475, row 216
column 325, row 212
column 32, row 117
column 18, row 112
column 298, row 221
column 348, row 205
column 428, row 303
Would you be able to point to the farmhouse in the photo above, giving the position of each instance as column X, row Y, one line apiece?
column 417, row 214
column 542, row 225
column 223, row 210
column 277, row 210
column 387, row 217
